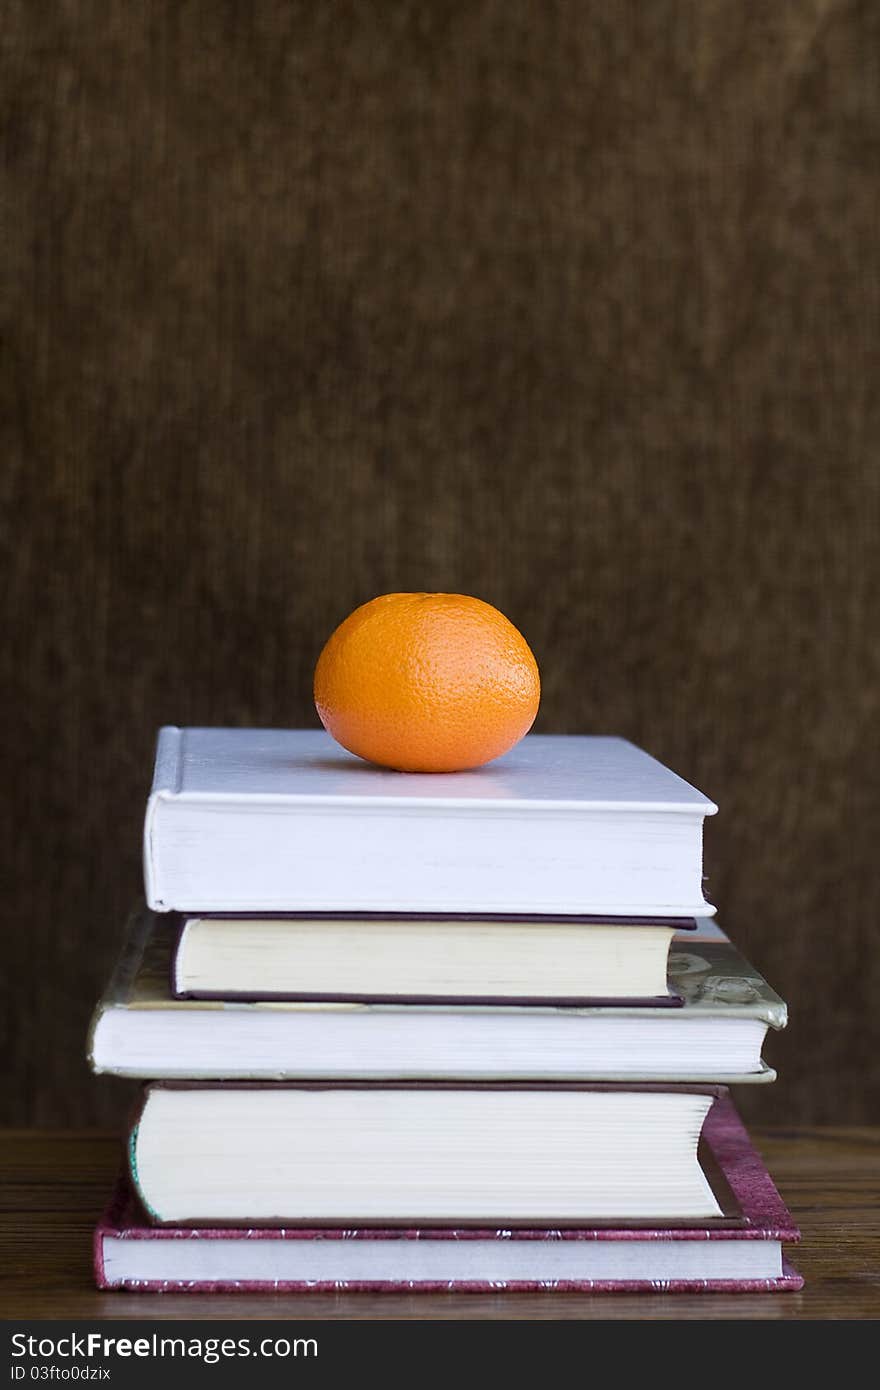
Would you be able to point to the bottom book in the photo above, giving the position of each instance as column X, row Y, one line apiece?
column 748, row 1257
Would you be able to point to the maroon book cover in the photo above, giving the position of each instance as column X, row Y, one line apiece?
column 746, row 1256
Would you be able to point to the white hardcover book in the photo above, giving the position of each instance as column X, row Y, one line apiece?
column 286, row 820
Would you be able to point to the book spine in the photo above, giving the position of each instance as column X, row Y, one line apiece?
column 119, row 988
column 101, row 1280
column 175, row 960
column 166, row 782
column 132, row 1158
column 166, row 771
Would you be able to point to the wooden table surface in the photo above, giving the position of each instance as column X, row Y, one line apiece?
column 53, row 1186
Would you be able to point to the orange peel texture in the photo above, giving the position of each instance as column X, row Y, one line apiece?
column 427, row 683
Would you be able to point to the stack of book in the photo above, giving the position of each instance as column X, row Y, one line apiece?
column 468, row 1030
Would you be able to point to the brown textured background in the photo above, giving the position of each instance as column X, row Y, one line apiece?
column 571, row 306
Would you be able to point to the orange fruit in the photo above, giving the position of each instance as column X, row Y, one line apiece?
column 427, row 683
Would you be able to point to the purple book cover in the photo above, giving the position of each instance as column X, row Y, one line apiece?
column 766, row 1219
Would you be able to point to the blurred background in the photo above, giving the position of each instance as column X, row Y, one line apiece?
column 571, row 306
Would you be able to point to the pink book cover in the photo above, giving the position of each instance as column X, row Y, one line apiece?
column 765, row 1219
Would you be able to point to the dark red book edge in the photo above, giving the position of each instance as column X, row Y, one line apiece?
column 767, row 1216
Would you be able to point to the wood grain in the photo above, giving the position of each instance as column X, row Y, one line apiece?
column 573, row 307
column 53, row 1186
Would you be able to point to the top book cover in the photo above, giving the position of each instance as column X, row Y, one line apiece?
column 286, row 821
